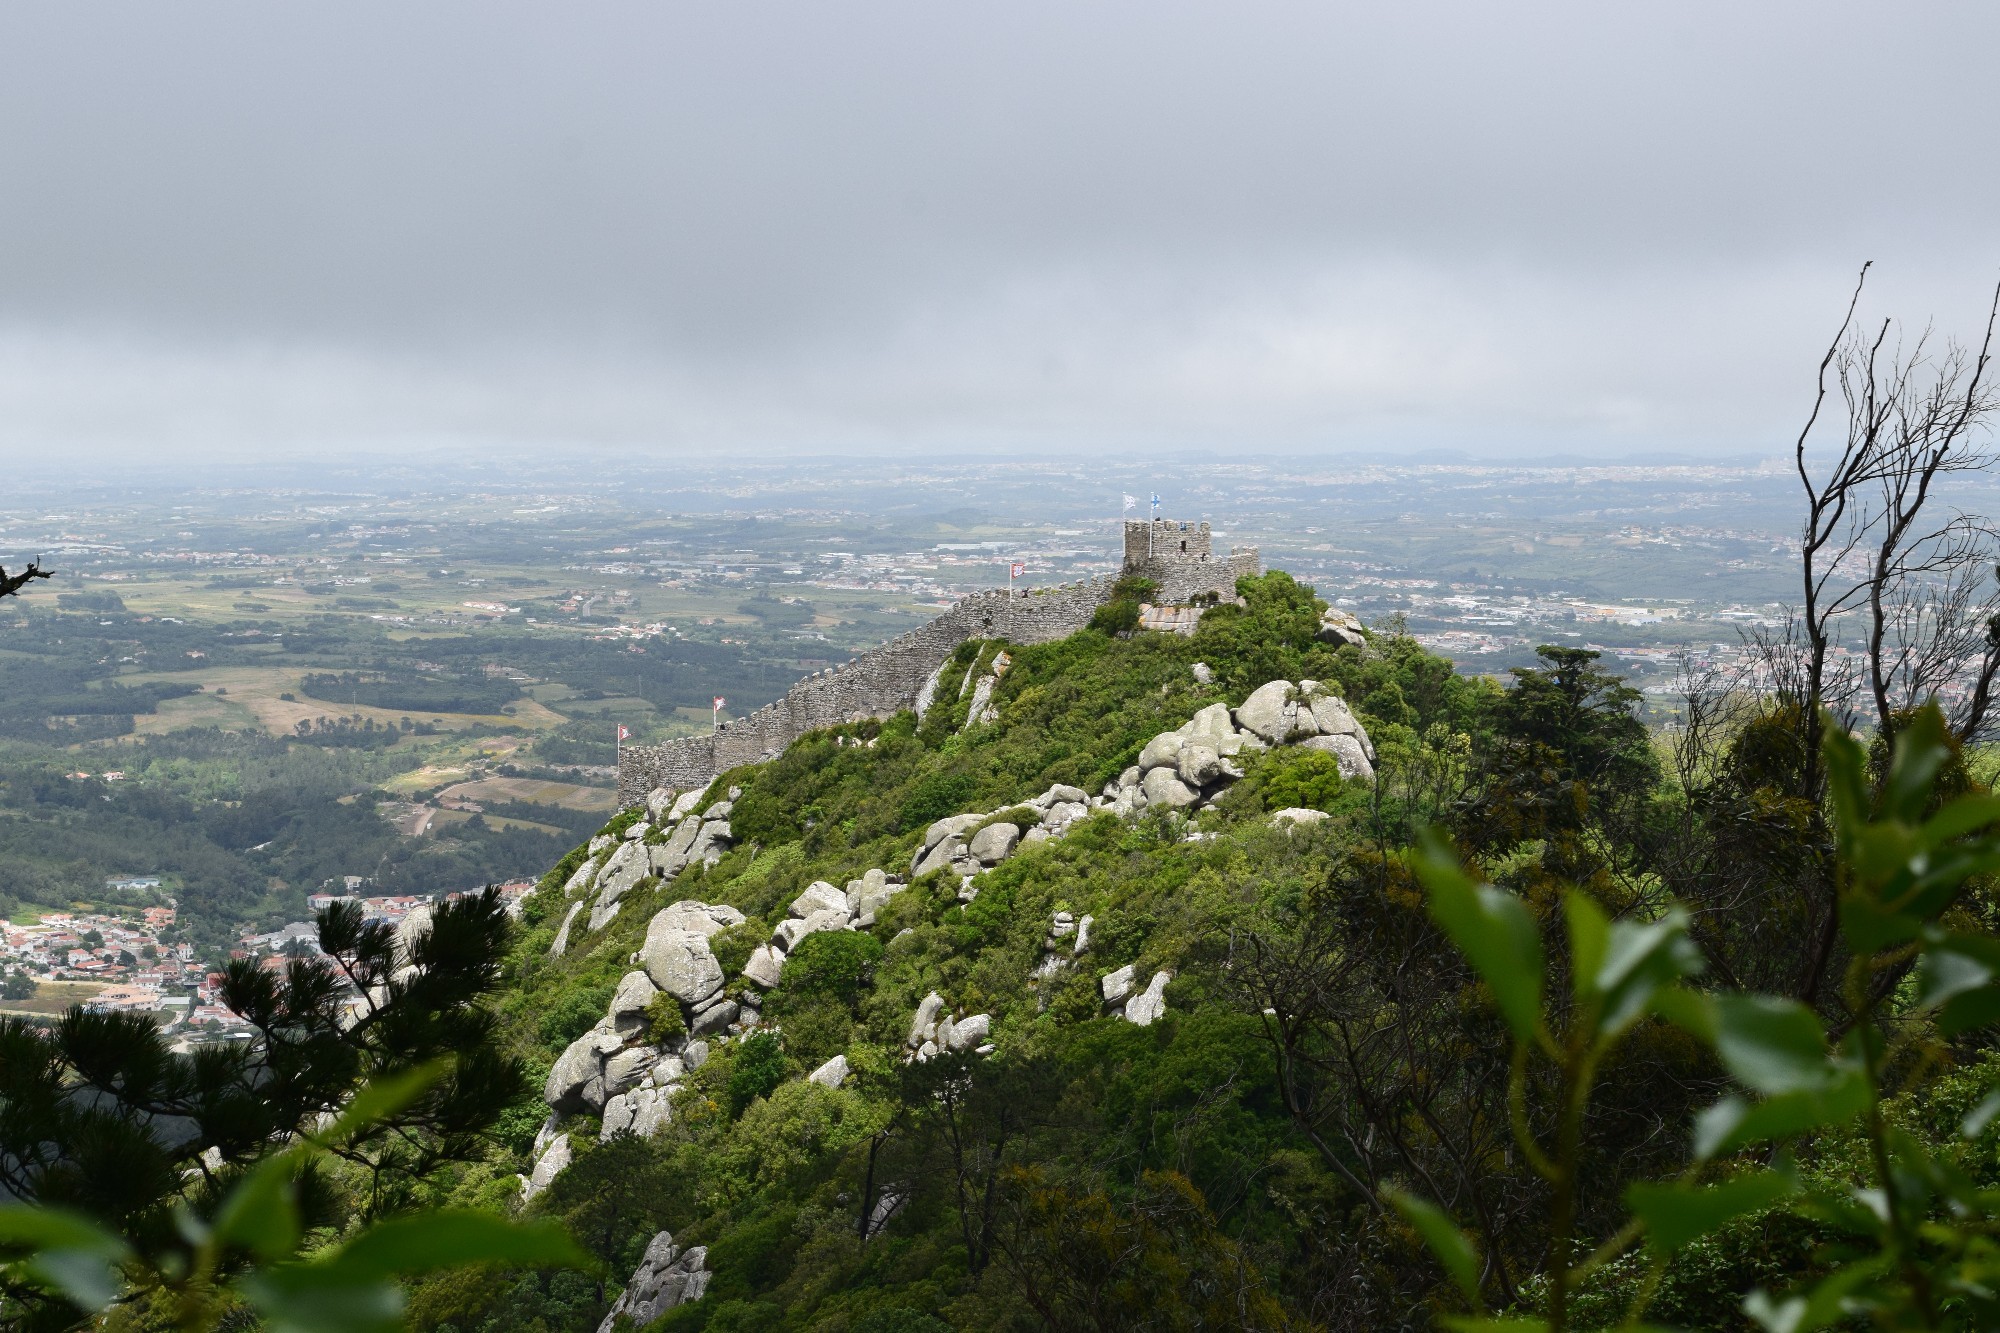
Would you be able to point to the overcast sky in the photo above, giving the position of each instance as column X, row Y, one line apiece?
column 1596, row 228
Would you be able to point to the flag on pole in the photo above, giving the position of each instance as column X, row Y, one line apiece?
column 624, row 732
column 720, row 703
column 1018, row 570
column 1156, row 503
column 1131, row 503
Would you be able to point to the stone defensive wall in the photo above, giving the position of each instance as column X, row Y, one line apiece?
column 879, row 683
column 887, row 679
column 1180, row 580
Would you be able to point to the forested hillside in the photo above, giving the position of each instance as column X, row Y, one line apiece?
column 996, row 1136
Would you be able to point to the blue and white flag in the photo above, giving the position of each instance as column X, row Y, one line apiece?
column 1156, row 503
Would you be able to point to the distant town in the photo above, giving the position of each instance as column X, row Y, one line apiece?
column 123, row 963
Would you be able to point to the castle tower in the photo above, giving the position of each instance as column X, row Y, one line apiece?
column 1164, row 539
column 1178, row 556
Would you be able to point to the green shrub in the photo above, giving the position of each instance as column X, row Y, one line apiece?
column 816, row 1028
column 733, row 945
column 1074, row 996
column 1294, row 778
column 934, row 797
column 522, row 1120
column 835, row 964
column 574, row 1013
column 758, row 1068
column 899, row 1320
column 621, row 821
column 664, row 1021
column 1118, row 616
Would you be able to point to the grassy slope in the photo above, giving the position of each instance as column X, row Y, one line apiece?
column 1076, row 1106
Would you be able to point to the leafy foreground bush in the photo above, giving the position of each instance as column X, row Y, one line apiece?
column 1907, row 1232
column 255, row 1254
column 288, row 1175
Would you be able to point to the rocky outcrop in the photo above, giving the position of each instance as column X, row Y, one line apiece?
column 576, row 1080
column 628, row 1003
column 667, row 1277
column 766, row 965
column 1190, row 765
column 645, row 1109
column 549, row 1162
column 1149, row 1004
column 994, row 843
column 679, row 960
column 629, row 863
column 867, row 895
column 934, row 1030
column 1142, row 1008
column 967, row 844
column 561, row 943
column 1339, row 627
column 820, row 907
column 666, row 842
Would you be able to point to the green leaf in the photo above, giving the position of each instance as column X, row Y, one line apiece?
column 1771, row 1045
column 1870, row 926
column 35, row 1228
column 1734, row 1123
column 1943, row 973
column 1938, row 877
column 1984, row 948
column 452, row 1238
column 1921, row 750
column 1691, row 1011
column 1589, row 933
column 1979, row 1117
column 1677, row 1215
column 1451, row 1246
column 260, row 1215
column 1811, row 1307
column 1494, row 930
column 1973, row 1009
column 65, row 1252
column 320, row 1298
column 381, row 1098
column 1641, row 960
column 1846, row 780
column 1967, row 814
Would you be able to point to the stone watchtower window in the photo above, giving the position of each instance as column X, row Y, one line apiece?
column 1183, row 546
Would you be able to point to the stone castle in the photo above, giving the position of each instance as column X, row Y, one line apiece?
column 903, row 673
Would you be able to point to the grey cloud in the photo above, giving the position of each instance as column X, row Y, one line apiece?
column 889, row 224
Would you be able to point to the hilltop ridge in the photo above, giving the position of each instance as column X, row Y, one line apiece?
column 779, row 1013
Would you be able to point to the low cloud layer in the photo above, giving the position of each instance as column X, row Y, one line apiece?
column 893, row 227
